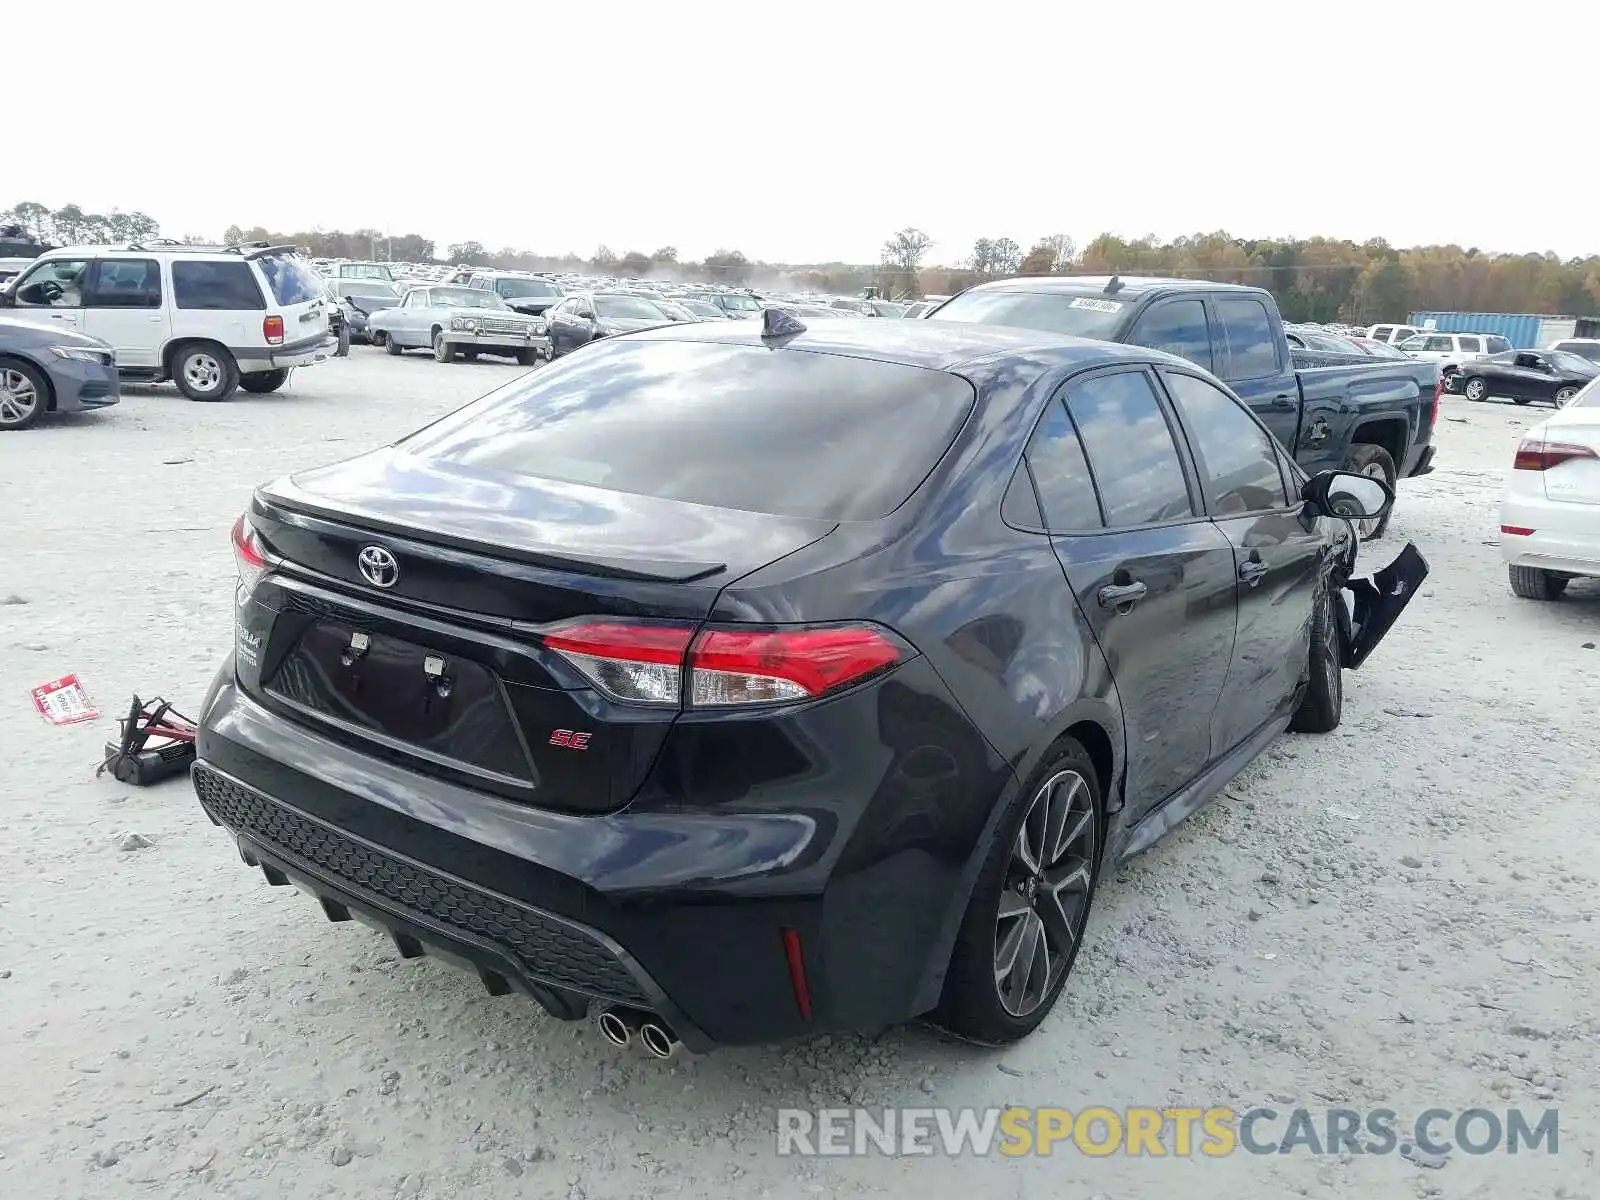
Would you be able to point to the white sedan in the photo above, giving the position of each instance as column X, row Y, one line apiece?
column 1550, row 517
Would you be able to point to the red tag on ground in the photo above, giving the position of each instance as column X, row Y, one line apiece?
column 63, row 701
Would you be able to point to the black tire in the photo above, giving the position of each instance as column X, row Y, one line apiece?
column 1367, row 459
column 344, row 342
column 205, row 371
column 22, row 411
column 1475, row 383
column 390, row 346
column 1531, row 583
column 972, row 1006
column 1520, row 400
column 443, row 351
column 1323, row 705
column 529, row 358
column 262, row 382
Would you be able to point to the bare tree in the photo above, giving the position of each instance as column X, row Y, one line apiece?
column 1007, row 256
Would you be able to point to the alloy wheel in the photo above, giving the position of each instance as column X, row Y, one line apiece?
column 1564, row 396
column 1046, row 893
column 19, row 400
column 1476, row 389
column 1328, row 652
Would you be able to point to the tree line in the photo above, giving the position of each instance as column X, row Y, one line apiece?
column 1313, row 279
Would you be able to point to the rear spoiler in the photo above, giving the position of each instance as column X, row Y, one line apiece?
column 315, row 518
column 262, row 250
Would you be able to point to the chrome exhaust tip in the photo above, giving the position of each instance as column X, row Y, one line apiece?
column 659, row 1040
column 615, row 1027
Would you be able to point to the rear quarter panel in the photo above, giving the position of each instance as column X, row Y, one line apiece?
column 1394, row 399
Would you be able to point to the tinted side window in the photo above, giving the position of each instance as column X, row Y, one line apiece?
column 1061, row 474
column 1178, row 327
column 1470, row 345
column 1238, row 459
column 125, row 283
column 1130, row 447
column 1252, row 349
column 1497, row 344
column 226, row 286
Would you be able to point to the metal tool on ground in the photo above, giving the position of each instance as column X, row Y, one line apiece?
column 157, row 743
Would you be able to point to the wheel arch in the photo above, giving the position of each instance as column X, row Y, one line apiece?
column 43, row 373
column 1092, row 729
column 1389, row 432
column 170, row 351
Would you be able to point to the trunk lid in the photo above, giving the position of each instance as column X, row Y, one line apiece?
column 436, row 659
column 1575, row 479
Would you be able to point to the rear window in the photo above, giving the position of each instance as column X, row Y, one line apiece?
column 1084, row 315
column 219, row 286
column 776, row 431
column 291, row 278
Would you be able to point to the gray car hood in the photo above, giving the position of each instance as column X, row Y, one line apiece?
column 22, row 333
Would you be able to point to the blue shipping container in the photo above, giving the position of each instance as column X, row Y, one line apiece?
column 1520, row 329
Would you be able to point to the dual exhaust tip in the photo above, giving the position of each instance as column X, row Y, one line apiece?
column 620, row 1026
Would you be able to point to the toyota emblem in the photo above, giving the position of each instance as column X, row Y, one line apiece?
column 378, row 566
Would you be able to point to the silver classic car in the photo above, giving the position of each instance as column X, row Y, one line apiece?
column 458, row 320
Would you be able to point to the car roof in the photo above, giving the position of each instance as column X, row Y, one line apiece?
column 1128, row 286
column 937, row 345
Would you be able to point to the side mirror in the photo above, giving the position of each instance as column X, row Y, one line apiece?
column 7, row 298
column 1347, row 494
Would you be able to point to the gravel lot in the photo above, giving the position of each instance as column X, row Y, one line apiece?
column 1398, row 914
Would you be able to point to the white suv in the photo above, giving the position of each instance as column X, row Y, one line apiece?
column 210, row 319
column 1453, row 348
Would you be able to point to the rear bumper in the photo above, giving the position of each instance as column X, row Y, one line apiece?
column 676, row 911
column 1565, row 537
column 1420, row 462
column 292, row 354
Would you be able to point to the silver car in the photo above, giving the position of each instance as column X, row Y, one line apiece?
column 54, row 370
column 458, row 320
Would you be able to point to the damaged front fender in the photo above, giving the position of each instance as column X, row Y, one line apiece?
column 1377, row 604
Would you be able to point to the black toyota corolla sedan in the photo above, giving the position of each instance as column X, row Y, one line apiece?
column 735, row 681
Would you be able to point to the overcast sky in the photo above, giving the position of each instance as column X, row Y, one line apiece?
column 809, row 131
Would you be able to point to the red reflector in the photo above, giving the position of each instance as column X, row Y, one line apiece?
column 663, row 644
column 272, row 330
column 1536, row 454
column 1518, row 530
column 797, row 973
column 739, row 667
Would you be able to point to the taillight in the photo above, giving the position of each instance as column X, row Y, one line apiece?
column 726, row 666
column 272, row 330
column 1536, row 454
column 641, row 664
column 248, row 552
column 1438, row 397
column 733, row 666
column 1516, row 530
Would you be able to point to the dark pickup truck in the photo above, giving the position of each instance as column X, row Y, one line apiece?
column 1375, row 417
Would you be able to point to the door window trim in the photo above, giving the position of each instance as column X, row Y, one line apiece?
column 1190, row 443
column 1180, row 446
column 1211, row 319
column 92, row 290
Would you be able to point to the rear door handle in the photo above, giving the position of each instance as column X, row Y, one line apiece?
column 1252, row 572
column 1121, row 595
